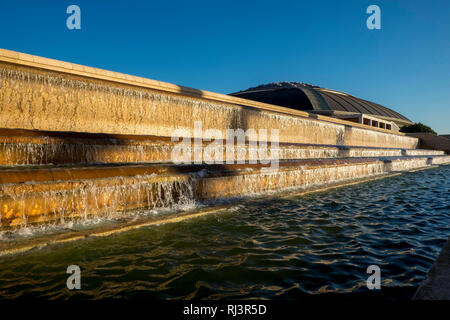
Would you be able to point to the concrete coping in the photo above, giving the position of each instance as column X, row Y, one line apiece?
column 436, row 285
column 24, row 59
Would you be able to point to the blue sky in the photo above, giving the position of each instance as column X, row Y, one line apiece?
column 227, row 46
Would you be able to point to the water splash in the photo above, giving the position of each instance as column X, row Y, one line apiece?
column 111, row 198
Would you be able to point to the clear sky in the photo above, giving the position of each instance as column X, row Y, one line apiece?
column 227, row 46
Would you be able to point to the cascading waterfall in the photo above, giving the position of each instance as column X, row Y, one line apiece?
column 109, row 198
column 261, row 181
column 12, row 154
column 112, row 108
column 408, row 164
column 127, row 118
column 374, row 153
column 51, row 151
column 441, row 159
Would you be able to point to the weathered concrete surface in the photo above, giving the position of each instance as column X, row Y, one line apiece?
column 436, row 285
column 445, row 159
column 43, row 94
column 432, row 141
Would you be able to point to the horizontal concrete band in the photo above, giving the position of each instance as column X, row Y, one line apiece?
column 27, row 147
column 26, row 135
column 17, row 175
column 39, row 195
column 62, row 97
column 54, row 137
column 35, row 175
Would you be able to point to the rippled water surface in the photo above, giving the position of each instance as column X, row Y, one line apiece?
column 285, row 248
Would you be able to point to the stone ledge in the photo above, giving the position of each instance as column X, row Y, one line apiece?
column 436, row 286
column 432, row 141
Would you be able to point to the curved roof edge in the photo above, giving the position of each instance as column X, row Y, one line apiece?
column 315, row 98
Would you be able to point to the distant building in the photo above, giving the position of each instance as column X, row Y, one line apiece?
column 314, row 99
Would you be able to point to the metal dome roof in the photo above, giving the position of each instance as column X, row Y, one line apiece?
column 306, row 97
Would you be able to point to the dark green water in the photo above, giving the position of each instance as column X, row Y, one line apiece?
column 316, row 244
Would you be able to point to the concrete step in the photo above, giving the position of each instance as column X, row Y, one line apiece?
column 26, row 147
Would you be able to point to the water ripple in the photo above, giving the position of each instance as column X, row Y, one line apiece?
column 315, row 244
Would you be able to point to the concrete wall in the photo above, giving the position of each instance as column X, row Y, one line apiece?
column 42, row 94
column 432, row 141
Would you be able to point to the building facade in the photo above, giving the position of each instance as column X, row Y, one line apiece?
column 332, row 103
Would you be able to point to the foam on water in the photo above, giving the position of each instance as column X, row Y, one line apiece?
column 28, row 231
column 108, row 198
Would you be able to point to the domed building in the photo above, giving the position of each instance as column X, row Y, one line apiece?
column 314, row 99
